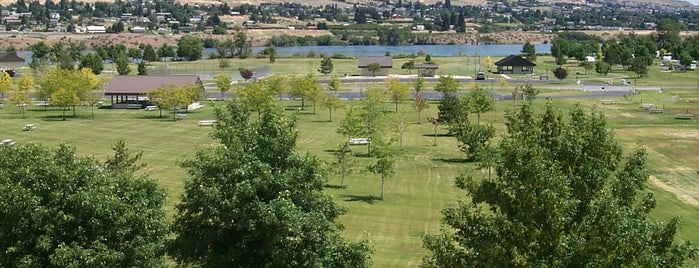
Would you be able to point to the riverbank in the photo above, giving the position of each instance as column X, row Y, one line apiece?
column 258, row 37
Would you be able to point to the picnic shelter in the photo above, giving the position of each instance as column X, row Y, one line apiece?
column 514, row 64
column 130, row 91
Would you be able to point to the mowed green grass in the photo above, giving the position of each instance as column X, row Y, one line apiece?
column 423, row 185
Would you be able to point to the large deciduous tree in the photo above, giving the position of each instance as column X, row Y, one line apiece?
column 306, row 88
column 60, row 210
column 562, row 197
column 253, row 201
column 190, row 47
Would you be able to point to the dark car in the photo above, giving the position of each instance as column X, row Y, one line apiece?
column 480, row 76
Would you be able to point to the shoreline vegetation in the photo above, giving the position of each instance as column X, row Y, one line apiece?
column 261, row 37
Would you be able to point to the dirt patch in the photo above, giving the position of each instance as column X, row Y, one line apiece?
column 628, row 115
column 684, row 134
column 683, row 197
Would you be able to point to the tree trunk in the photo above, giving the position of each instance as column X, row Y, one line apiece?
column 64, row 113
column 396, row 106
column 382, row 186
column 330, row 118
column 303, row 103
column 419, row 117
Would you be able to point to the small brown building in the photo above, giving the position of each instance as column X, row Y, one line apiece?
column 514, row 64
column 426, row 70
column 386, row 63
column 129, row 91
column 10, row 61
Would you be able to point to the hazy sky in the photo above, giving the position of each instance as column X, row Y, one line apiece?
column 696, row 2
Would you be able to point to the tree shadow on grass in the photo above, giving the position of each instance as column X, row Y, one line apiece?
column 453, row 160
column 439, row 135
column 369, row 199
column 333, row 186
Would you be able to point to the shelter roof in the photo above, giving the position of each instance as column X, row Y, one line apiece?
column 384, row 61
column 142, row 84
column 514, row 60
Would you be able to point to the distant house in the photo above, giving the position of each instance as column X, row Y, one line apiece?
column 514, row 64
column 129, row 91
column 386, row 63
column 10, row 61
column 426, row 70
column 92, row 29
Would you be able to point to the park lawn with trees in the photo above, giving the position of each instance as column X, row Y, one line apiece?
column 423, row 183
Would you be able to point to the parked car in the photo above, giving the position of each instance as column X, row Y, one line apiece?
column 480, row 76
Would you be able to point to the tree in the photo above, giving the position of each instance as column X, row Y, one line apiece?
column 447, row 84
column 40, row 56
column 326, row 65
column 344, row 162
column 530, row 92
column 149, row 53
column 242, row 47
column 529, row 51
column 383, row 166
column 190, row 47
column 256, row 95
column 479, row 101
column 398, row 91
column 487, row 62
column 20, row 96
column 602, row 68
column 5, row 83
column 166, row 51
column 122, row 64
column 587, row 66
column 64, row 98
column 335, row 84
column 373, row 68
column 330, row 102
column 254, row 201
column 408, row 65
column 142, row 70
column 419, row 84
column 172, row 97
column 451, row 107
column 306, row 88
column 639, row 66
column 245, row 73
column 420, row 104
column 223, row 83
column 560, row 73
column 562, row 198
column 93, row 61
column 61, row 210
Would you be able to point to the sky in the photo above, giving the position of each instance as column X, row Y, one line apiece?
column 696, row 2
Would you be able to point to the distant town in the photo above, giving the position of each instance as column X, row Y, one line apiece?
column 349, row 24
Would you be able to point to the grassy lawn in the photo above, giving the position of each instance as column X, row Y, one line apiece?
column 424, row 181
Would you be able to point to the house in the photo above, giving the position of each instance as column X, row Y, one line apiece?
column 95, row 29
column 385, row 62
column 130, row 91
column 426, row 69
column 514, row 64
column 10, row 61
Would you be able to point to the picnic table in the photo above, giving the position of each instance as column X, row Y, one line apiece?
column 656, row 110
column 646, row 105
column 180, row 116
column 359, row 141
column 28, row 127
column 683, row 116
column 607, row 102
column 207, row 123
column 151, row 108
column 7, row 142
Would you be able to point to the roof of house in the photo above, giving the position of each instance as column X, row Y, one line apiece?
column 384, row 61
column 10, row 57
column 426, row 66
column 142, row 84
column 514, row 60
